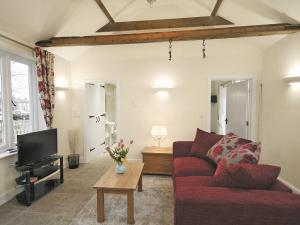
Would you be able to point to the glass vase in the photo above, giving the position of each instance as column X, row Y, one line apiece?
column 120, row 168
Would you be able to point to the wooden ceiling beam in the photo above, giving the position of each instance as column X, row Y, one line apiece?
column 186, row 35
column 216, row 8
column 105, row 11
column 165, row 24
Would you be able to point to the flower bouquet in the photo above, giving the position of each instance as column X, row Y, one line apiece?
column 119, row 155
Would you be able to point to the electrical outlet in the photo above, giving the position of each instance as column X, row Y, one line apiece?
column 12, row 162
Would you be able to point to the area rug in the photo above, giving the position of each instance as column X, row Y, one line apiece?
column 153, row 206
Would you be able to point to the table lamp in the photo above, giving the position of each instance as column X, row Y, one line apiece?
column 158, row 132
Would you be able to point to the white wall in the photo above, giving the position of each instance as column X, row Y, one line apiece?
column 138, row 67
column 281, row 108
column 62, row 111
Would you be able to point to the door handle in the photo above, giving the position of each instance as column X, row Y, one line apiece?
column 226, row 121
column 91, row 117
column 97, row 119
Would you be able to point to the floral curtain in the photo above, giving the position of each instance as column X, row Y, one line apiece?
column 45, row 77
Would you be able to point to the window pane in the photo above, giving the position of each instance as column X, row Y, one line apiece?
column 20, row 99
column 2, row 140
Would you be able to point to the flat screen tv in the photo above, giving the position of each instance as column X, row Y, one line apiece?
column 36, row 146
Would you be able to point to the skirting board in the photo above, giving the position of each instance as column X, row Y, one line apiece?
column 294, row 189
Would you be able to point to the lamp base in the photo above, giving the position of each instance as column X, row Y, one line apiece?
column 158, row 140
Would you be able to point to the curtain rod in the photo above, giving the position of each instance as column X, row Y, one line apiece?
column 17, row 42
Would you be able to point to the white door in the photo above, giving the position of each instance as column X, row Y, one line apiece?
column 237, row 109
column 222, row 109
column 95, row 120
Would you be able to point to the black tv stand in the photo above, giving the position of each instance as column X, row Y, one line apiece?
column 36, row 178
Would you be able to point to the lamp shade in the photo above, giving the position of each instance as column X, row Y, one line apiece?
column 159, row 131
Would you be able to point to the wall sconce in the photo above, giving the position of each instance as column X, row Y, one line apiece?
column 162, row 92
column 293, row 81
column 61, row 91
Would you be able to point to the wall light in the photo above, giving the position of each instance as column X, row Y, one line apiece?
column 162, row 86
column 61, row 91
column 293, row 81
column 163, row 82
column 162, row 93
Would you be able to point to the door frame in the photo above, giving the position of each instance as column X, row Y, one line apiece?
column 102, row 81
column 252, row 103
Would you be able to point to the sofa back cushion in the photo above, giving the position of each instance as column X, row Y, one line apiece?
column 247, row 176
column 192, row 166
column 226, row 144
column 247, row 153
column 203, row 142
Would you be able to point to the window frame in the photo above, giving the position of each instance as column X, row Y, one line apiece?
column 5, row 59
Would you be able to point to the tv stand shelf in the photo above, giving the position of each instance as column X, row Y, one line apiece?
column 36, row 178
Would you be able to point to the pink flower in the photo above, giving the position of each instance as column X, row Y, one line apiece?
column 122, row 145
column 121, row 141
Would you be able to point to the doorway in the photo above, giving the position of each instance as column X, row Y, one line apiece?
column 100, row 118
column 231, row 107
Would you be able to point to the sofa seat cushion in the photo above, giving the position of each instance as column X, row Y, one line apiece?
column 209, row 181
column 248, row 176
column 198, row 205
column 203, row 142
column 194, row 181
column 192, row 166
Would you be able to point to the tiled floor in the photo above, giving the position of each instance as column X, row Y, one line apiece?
column 60, row 206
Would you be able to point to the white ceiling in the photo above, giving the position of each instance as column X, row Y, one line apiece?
column 33, row 20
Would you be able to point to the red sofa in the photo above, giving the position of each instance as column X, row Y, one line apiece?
column 197, row 202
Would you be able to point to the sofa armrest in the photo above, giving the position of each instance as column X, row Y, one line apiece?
column 182, row 148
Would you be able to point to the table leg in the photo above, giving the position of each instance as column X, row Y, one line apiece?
column 140, row 184
column 130, row 207
column 100, row 205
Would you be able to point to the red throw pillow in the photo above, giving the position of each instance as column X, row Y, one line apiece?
column 203, row 142
column 224, row 146
column 247, row 176
column 247, row 153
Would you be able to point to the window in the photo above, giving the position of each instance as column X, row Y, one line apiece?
column 2, row 139
column 21, row 110
column 18, row 98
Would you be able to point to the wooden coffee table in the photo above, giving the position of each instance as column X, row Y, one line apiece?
column 114, row 183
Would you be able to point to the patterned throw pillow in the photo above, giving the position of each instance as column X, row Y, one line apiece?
column 247, row 153
column 224, row 146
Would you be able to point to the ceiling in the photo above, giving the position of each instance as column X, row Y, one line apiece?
column 33, row 20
